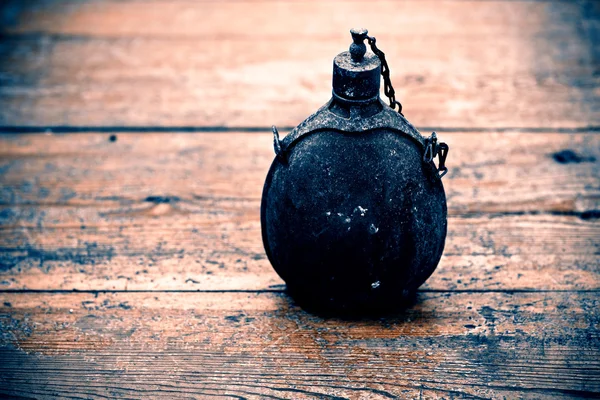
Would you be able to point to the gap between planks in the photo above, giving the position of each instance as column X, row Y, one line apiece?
column 283, row 290
column 124, row 129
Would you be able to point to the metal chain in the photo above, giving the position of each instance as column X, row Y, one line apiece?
column 385, row 72
column 433, row 149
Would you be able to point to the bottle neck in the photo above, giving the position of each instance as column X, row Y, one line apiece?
column 352, row 109
column 356, row 80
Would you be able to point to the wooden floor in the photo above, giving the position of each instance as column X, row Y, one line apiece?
column 135, row 144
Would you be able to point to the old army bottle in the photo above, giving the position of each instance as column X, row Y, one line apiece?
column 353, row 209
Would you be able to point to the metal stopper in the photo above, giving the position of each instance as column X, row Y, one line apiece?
column 356, row 73
column 358, row 48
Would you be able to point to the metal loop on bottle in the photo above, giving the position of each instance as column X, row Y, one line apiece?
column 433, row 149
column 279, row 152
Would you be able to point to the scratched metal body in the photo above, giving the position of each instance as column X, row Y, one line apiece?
column 353, row 212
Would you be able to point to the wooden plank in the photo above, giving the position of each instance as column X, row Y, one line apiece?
column 181, row 18
column 502, row 253
column 491, row 173
column 221, row 249
column 173, row 212
column 466, row 345
column 455, row 64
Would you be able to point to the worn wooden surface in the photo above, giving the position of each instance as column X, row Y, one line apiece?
column 487, row 64
column 133, row 267
column 152, row 211
column 528, row 345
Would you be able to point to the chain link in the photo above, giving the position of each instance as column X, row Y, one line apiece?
column 388, row 89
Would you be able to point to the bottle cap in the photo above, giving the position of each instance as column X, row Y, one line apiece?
column 356, row 73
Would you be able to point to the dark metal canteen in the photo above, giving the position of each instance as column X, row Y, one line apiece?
column 353, row 211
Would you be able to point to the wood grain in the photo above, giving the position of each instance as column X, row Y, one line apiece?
column 199, row 253
column 256, row 63
column 181, row 212
column 141, row 221
column 135, row 345
column 489, row 173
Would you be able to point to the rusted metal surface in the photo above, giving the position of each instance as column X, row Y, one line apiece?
column 354, row 212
